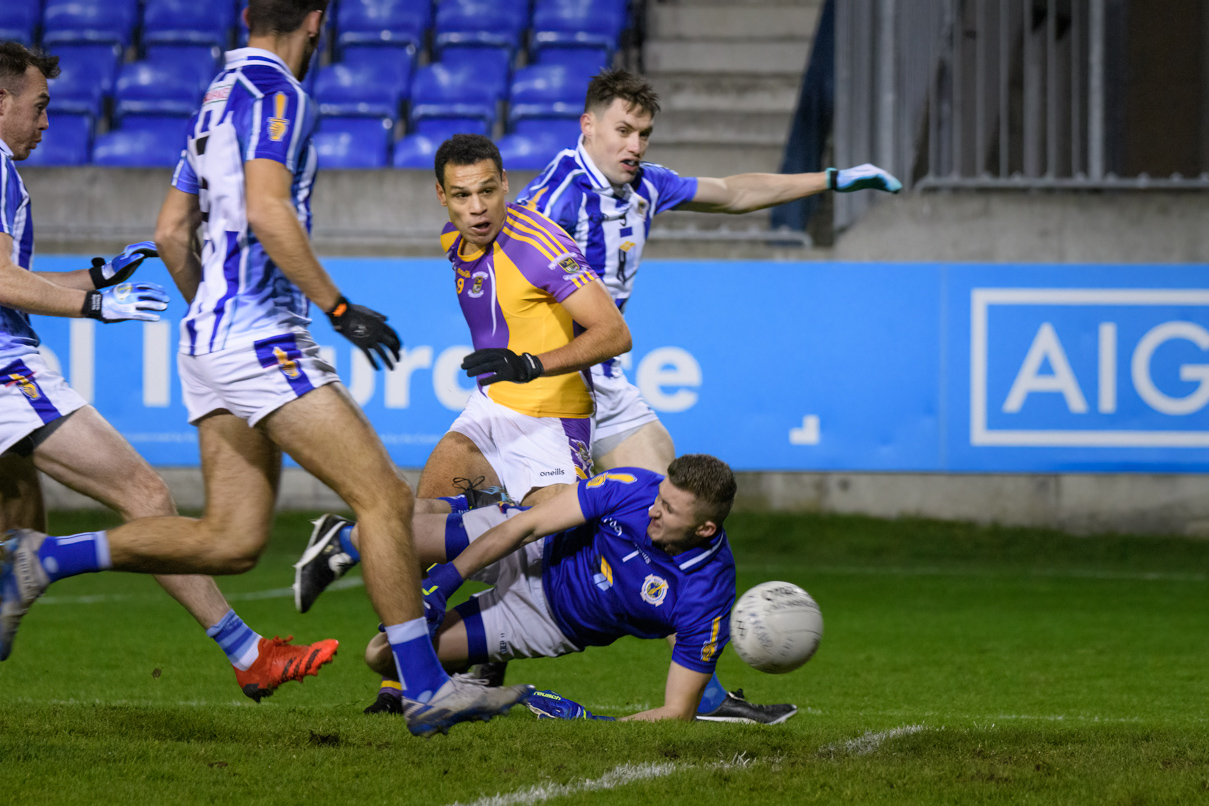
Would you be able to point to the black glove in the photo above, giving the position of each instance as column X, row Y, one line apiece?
column 106, row 273
column 507, row 365
column 367, row 329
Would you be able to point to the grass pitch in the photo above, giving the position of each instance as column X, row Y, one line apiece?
column 960, row 665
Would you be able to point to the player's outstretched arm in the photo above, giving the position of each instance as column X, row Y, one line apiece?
column 33, row 293
column 680, row 698
column 272, row 216
column 746, row 193
column 176, row 239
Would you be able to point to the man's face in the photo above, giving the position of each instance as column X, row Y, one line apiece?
column 23, row 114
column 616, row 139
column 477, row 199
column 676, row 522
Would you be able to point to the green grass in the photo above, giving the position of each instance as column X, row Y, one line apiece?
column 1032, row 667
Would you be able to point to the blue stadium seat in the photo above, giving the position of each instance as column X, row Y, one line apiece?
column 353, row 143
column 521, row 152
column 89, row 21
column 66, row 142
column 158, row 88
column 547, row 91
column 460, row 91
column 205, row 59
column 18, row 19
column 142, row 142
column 564, row 131
column 383, row 22
column 368, row 82
column 487, row 61
column 86, row 78
column 578, row 23
column 487, row 23
column 588, row 60
column 418, row 149
column 192, row 22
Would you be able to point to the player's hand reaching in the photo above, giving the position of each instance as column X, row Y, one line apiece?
column 549, row 705
column 118, row 270
column 126, row 301
column 504, row 364
column 862, row 177
column 367, row 329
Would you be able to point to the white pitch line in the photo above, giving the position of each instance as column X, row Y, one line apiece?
column 869, row 742
column 272, row 593
column 619, row 776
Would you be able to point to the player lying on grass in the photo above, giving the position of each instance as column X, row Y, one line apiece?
column 46, row 426
column 628, row 552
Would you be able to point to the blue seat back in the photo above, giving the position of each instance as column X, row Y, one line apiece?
column 578, row 23
column 587, row 60
column 441, row 129
column 548, row 90
column 68, row 141
column 87, row 75
column 158, row 88
column 564, row 131
column 368, row 22
column 521, row 152
column 492, row 62
column 142, row 142
column 446, row 90
column 198, row 22
column 18, row 19
column 353, row 143
column 369, row 81
column 480, row 22
column 89, row 21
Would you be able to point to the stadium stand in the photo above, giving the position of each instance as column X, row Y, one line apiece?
column 19, row 20
column 535, row 141
column 369, row 82
column 484, row 23
column 188, row 22
column 68, row 141
column 457, row 91
column 87, row 77
column 162, row 87
column 142, row 141
column 353, row 142
column 73, row 21
column 595, row 24
column 417, row 149
column 547, row 91
column 383, row 22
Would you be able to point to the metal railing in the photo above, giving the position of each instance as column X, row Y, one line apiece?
column 984, row 94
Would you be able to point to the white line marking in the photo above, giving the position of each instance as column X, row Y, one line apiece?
column 272, row 593
column 620, row 776
column 870, row 741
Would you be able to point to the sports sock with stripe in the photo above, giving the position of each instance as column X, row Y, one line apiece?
column 84, row 553
column 420, row 672
column 714, row 695
column 456, row 539
column 459, row 503
column 346, row 543
column 392, row 688
column 238, row 640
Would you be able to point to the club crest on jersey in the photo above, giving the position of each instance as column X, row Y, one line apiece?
column 287, row 365
column 476, row 285
column 627, row 246
column 25, row 384
column 641, row 204
column 278, row 125
column 567, row 263
column 654, row 590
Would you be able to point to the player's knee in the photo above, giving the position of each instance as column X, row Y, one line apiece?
column 231, row 551
column 378, row 655
column 390, row 500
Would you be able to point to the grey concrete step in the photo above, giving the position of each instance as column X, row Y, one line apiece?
column 727, row 93
column 718, row 159
column 726, row 56
column 705, row 128
column 732, row 22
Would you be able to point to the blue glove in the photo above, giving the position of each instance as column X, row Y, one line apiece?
column 443, row 581
column 862, row 177
column 548, row 705
column 126, row 301
column 121, row 267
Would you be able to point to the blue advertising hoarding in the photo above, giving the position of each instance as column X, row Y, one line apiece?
column 780, row 366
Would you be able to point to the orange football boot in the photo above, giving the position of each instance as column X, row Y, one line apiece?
column 279, row 662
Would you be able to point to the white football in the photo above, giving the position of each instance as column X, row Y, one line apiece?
column 776, row 627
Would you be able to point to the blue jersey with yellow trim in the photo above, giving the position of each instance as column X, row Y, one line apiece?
column 17, row 337
column 606, row 579
column 254, row 109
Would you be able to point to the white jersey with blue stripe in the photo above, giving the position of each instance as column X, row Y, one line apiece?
column 17, row 338
column 254, row 109
column 609, row 224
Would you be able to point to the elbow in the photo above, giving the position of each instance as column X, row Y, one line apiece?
column 624, row 342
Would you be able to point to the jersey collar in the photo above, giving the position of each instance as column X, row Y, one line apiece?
column 241, row 55
column 698, row 557
column 4, row 149
column 598, row 181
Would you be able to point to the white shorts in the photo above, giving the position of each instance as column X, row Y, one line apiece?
column 512, row 619
column 31, row 397
column 527, row 452
column 253, row 381
column 620, row 410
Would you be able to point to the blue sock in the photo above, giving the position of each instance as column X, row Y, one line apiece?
column 238, row 640
column 458, row 502
column 75, row 554
column 713, row 696
column 346, row 543
column 420, row 672
column 456, row 539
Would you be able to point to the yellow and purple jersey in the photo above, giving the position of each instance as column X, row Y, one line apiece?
column 511, row 293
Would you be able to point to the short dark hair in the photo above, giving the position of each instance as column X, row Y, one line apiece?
column 466, row 149
column 621, row 83
column 15, row 60
column 269, row 17
column 709, row 479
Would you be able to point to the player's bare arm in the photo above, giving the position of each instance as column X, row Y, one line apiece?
column 34, row 292
column 746, row 193
column 604, row 336
column 680, row 697
column 274, row 219
column 176, row 239
column 556, row 514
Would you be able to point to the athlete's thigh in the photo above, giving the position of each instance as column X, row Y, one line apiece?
column 88, row 455
column 455, row 456
column 650, row 447
column 242, row 469
column 21, row 504
column 329, row 435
